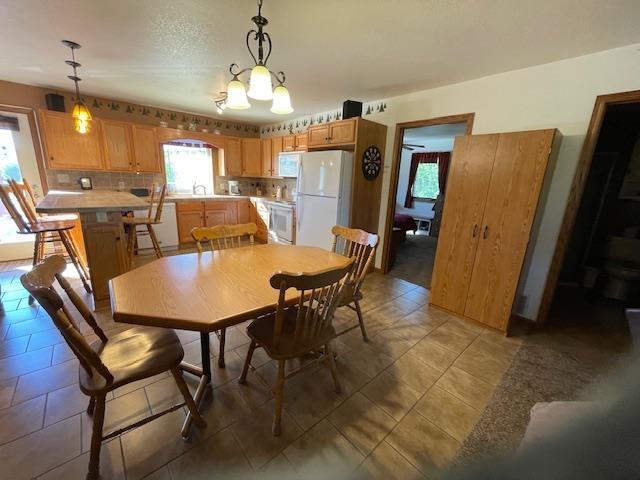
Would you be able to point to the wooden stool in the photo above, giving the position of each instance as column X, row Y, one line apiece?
column 148, row 221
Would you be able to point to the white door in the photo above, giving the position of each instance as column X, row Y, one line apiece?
column 315, row 218
column 17, row 160
column 320, row 173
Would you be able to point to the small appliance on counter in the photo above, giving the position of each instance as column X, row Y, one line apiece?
column 234, row 187
column 85, row 183
column 140, row 192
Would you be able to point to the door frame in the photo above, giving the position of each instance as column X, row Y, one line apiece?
column 575, row 194
column 395, row 170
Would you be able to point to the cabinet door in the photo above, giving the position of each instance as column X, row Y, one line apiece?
column 220, row 213
column 318, row 135
column 67, row 148
column 251, row 157
column 146, row 149
column 186, row 221
column 276, row 150
column 233, row 157
column 516, row 180
column 267, row 158
column 289, row 143
column 106, row 254
column 301, row 142
column 244, row 211
column 342, row 132
column 116, row 141
column 215, row 217
column 465, row 197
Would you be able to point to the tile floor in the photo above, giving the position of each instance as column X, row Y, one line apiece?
column 410, row 397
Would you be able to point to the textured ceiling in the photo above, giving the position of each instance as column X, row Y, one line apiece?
column 175, row 54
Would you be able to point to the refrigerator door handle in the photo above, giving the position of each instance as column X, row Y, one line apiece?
column 299, row 210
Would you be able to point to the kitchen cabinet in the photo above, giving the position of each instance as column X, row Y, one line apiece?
column 105, row 247
column 219, row 212
column 276, row 150
column 189, row 215
column 118, row 149
column 251, row 157
column 261, row 215
column 68, row 149
column 233, row 157
column 318, row 135
column 301, row 142
column 493, row 190
column 288, row 143
column 336, row 133
column 209, row 213
column 146, row 149
column 244, row 211
column 267, row 158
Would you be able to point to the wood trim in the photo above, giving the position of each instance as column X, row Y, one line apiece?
column 575, row 194
column 36, row 139
column 395, row 169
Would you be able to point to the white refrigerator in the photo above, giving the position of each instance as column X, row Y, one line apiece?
column 323, row 196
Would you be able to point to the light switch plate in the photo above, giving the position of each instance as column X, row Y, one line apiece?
column 63, row 178
column 101, row 217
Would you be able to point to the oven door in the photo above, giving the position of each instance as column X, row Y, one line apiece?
column 280, row 224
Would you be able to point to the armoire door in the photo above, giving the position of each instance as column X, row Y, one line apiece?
column 465, row 196
column 512, row 200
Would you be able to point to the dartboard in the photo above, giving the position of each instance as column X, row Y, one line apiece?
column 371, row 162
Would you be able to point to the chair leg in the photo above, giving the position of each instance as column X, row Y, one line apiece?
column 37, row 252
column 131, row 240
column 247, row 363
column 154, row 240
column 361, row 321
column 191, row 404
column 76, row 253
column 92, row 405
column 279, row 391
column 71, row 252
column 223, row 334
column 332, row 366
column 96, row 439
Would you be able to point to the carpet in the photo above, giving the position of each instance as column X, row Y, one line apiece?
column 414, row 259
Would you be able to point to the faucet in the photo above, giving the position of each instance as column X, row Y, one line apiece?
column 196, row 187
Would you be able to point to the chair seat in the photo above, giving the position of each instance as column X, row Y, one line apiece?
column 133, row 355
column 51, row 226
column 348, row 295
column 63, row 217
column 261, row 332
column 139, row 221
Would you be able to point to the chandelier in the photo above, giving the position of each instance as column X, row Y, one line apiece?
column 260, row 85
column 81, row 114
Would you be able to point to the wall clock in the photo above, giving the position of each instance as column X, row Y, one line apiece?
column 371, row 162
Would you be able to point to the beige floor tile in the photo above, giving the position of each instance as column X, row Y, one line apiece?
column 139, row 384
column 309, row 401
column 231, row 371
column 433, row 353
column 41, row 451
column 254, row 435
column 64, row 403
column 414, row 372
column 419, row 295
column 259, row 357
column 164, row 394
column 278, row 467
column 29, row 327
column 368, row 360
column 218, row 456
column 462, row 325
column 489, row 368
column 498, row 344
column 391, row 343
column 448, row 412
column 423, row 318
column 46, row 380
column 452, row 338
column 362, row 422
column 221, row 408
column 160, row 474
column 62, row 353
column 323, row 452
column 150, row 446
column 24, row 363
column 386, row 463
column 7, row 387
column 253, row 393
column 21, row 419
column 111, row 466
column 15, row 346
column 45, row 339
column 422, row 443
column 466, row 387
column 391, row 394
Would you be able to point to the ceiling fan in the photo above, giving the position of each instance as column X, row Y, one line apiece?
column 411, row 146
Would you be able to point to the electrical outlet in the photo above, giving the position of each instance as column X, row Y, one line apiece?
column 101, row 217
column 63, row 178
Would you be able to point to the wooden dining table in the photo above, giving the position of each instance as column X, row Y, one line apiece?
column 208, row 291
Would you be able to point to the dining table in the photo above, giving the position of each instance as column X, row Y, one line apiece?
column 208, row 291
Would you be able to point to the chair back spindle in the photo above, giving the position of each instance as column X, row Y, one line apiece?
column 357, row 244
column 222, row 237
column 6, row 192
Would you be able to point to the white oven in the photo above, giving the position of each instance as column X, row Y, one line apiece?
column 281, row 228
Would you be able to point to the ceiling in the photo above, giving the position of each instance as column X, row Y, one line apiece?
column 433, row 134
column 175, row 54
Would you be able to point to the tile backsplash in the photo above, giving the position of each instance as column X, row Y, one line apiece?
column 248, row 186
column 69, row 179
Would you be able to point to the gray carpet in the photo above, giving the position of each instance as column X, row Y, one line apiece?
column 414, row 259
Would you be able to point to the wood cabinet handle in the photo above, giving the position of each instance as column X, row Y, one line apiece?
column 475, row 230
column 485, row 234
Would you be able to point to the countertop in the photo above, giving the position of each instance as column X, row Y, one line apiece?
column 187, row 198
column 61, row 201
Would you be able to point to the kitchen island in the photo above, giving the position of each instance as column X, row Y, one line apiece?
column 100, row 213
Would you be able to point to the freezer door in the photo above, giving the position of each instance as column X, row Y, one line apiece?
column 315, row 218
column 320, row 173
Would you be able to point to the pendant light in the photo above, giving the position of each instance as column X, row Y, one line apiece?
column 260, row 79
column 81, row 114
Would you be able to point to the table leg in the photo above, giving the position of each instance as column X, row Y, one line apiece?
column 205, row 379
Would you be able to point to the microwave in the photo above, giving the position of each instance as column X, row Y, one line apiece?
column 289, row 163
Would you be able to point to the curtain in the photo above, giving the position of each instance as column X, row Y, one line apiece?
column 9, row 123
column 417, row 159
column 443, row 170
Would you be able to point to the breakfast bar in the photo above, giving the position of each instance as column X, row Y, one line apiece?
column 100, row 213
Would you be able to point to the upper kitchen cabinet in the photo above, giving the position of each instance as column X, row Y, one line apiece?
column 67, row 148
column 117, row 146
column 288, row 143
column 318, row 135
column 302, row 142
column 146, row 149
column 276, row 150
column 267, row 158
column 233, row 157
column 251, row 157
column 335, row 133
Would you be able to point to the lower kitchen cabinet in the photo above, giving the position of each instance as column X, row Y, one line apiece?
column 209, row 213
column 190, row 215
column 244, row 212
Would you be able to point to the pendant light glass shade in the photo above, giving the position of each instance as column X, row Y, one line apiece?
column 281, row 101
column 260, row 87
column 81, row 118
column 237, row 95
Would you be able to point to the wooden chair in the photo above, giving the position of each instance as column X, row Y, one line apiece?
column 361, row 245
column 22, row 211
column 108, row 363
column 221, row 237
column 156, row 202
column 292, row 332
column 28, row 191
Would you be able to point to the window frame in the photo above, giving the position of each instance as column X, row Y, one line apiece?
column 190, row 144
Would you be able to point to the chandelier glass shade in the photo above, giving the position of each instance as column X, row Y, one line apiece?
column 80, row 114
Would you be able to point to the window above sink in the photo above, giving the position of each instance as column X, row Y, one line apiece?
column 188, row 167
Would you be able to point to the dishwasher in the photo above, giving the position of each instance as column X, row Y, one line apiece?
column 167, row 231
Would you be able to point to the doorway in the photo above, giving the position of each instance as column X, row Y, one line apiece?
column 417, row 194
column 18, row 160
column 599, row 273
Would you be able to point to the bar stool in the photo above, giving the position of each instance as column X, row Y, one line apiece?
column 152, row 218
